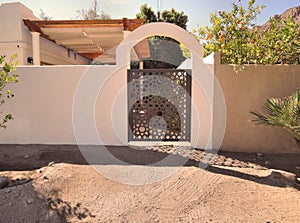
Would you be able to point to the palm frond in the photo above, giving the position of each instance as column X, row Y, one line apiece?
column 281, row 112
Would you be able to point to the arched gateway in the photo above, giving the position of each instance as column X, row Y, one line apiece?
column 159, row 100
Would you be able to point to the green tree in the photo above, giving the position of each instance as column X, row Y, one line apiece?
column 147, row 14
column 280, row 43
column 236, row 35
column 92, row 13
column 283, row 113
column 6, row 77
column 165, row 52
column 177, row 18
column 172, row 16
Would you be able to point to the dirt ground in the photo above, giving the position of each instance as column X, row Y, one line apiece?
column 54, row 184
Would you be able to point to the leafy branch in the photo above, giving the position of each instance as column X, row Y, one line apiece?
column 6, row 77
column 240, row 40
column 281, row 112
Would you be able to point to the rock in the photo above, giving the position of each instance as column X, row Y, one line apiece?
column 259, row 155
column 283, row 174
column 23, row 181
column 52, row 217
column 297, row 167
column 29, row 201
column 3, row 182
column 51, row 163
column 26, row 156
column 268, row 162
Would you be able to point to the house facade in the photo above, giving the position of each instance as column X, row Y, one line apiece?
column 17, row 39
column 62, row 42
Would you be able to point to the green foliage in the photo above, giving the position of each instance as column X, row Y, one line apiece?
column 280, row 44
column 6, row 77
column 172, row 16
column 165, row 52
column 147, row 14
column 185, row 51
column 177, row 18
column 241, row 41
column 282, row 112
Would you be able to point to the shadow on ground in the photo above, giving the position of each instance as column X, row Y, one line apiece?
column 29, row 157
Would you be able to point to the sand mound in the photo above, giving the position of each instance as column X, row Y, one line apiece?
column 77, row 193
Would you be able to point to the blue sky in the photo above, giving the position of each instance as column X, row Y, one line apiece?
column 197, row 10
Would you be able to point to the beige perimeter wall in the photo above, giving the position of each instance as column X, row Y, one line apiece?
column 246, row 91
column 45, row 98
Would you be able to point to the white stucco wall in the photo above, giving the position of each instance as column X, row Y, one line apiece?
column 11, row 15
column 52, row 105
column 42, row 107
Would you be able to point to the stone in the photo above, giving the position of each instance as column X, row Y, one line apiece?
column 260, row 155
column 26, row 156
column 268, row 162
column 23, row 181
column 51, row 163
column 29, row 201
column 283, row 174
column 3, row 182
column 52, row 217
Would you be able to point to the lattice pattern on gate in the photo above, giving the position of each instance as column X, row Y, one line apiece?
column 159, row 105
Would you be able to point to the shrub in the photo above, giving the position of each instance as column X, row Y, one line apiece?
column 6, row 77
column 282, row 112
column 240, row 41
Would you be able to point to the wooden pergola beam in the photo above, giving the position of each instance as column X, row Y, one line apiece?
column 33, row 27
column 128, row 24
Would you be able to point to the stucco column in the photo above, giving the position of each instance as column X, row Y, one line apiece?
column 141, row 65
column 125, row 58
column 36, row 48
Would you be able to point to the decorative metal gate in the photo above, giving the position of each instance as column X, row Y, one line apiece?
column 159, row 105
